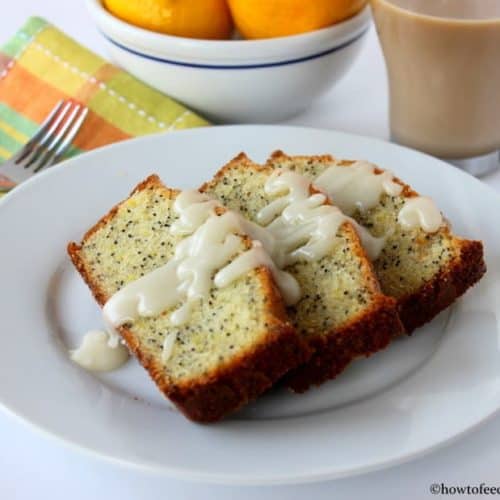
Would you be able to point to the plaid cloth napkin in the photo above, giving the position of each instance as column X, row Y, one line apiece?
column 41, row 65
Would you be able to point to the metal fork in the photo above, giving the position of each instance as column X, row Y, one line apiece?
column 47, row 146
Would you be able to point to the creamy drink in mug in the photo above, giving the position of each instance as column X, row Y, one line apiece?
column 443, row 63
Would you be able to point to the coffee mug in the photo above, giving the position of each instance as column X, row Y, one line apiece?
column 443, row 65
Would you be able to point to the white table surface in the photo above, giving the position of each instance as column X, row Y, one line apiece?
column 33, row 466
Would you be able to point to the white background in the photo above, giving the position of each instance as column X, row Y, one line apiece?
column 33, row 466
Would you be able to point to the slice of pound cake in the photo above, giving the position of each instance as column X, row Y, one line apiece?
column 341, row 311
column 422, row 263
column 192, row 296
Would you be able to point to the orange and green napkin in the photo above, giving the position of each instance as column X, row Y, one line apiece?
column 41, row 65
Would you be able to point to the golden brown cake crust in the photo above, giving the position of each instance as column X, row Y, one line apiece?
column 363, row 337
column 366, row 334
column 465, row 270
column 225, row 390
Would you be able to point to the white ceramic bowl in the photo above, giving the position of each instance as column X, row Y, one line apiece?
column 236, row 80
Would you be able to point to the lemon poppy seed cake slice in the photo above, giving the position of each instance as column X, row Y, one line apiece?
column 341, row 312
column 422, row 263
column 215, row 346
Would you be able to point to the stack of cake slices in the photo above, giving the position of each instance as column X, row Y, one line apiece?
column 277, row 273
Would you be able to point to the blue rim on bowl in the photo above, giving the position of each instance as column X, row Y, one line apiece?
column 237, row 66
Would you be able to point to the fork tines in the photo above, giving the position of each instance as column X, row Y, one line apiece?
column 53, row 137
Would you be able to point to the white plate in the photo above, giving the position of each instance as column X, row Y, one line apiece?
column 420, row 393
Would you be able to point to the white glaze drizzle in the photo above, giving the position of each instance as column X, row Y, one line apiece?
column 168, row 346
column 113, row 336
column 357, row 186
column 420, row 212
column 210, row 244
column 300, row 226
column 193, row 208
column 303, row 225
column 100, row 351
column 290, row 289
column 373, row 246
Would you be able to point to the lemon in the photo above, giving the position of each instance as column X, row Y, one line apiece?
column 273, row 18
column 206, row 19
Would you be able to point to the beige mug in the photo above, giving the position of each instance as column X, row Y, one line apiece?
column 443, row 65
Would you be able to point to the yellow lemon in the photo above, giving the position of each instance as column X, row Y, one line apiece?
column 272, row 18
column 206, row 19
